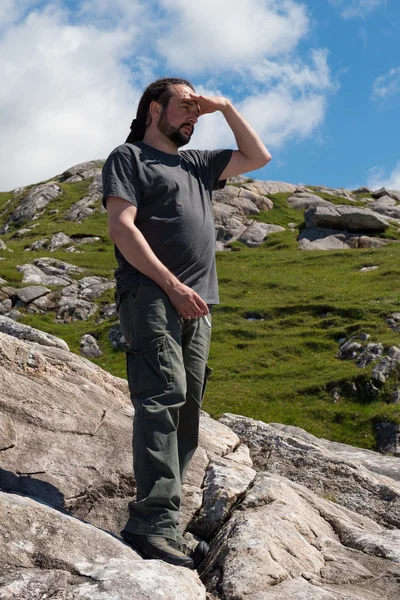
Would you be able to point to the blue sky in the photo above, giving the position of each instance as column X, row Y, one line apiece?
column 318, row 79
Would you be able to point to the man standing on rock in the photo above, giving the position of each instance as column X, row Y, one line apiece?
column 160, row 218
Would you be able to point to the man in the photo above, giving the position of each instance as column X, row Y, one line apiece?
column 160, row 218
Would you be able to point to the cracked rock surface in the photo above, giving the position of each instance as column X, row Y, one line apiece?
column 288, row 516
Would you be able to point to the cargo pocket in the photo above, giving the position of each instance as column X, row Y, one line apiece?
column 207, row 375
column 150, row 369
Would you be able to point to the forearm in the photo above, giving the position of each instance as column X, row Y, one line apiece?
column 248, row 142
column 139, row 254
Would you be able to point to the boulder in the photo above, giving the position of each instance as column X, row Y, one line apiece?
column 2, row 245
column 85, row 170
column 58, row 241
column 330, row 239
column 75, row 309
column 345, row 217
column 386, row 206
column 45, row 554
column 25, row 332
column 90, row 347
column 395, row 194
column 48, row 271
column 256, row 233
column 28, row 294
column 270, row 187
column 283, row 541
column 332, row 475
column 36, row 200
column 303, row 200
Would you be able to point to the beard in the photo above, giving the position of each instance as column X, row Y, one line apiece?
column 175, row 134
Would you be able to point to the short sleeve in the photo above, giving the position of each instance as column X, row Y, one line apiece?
column 217, row 161
column 120, row 176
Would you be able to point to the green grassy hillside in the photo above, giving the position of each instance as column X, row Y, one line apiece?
column 276, row 332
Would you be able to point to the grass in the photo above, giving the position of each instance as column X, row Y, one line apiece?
column 281, row 366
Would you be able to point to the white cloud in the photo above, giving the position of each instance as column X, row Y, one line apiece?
column 356, row 8
column 387, row 85
column 74, row 79
column 378, row 178
column 67, row 98
column 229, row 34
column 294, row 73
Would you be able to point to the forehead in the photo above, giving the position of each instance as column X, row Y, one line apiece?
column 180, row 91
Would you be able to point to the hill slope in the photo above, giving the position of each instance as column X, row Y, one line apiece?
column 283, row 310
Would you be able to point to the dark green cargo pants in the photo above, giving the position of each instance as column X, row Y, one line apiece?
column 167, row 371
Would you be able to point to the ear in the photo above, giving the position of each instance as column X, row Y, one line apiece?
column 155, row 109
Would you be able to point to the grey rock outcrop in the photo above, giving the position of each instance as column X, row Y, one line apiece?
column 90, row 347
column 310, row 464
column 303, row 200
column 345, row 217
column 85, row 170
column 31, row 293
column 270, row 187
column 331, row 239
column 395, row 194
column 2, row 245
column 89, row 204
column 58, row 241
column 256, row 233
column 341, row 192
column 394, row 322
column 36, row 200
column 386, row 206
column 45, row 553
column 48, row 271
column 24, row 332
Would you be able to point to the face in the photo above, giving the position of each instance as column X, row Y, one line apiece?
column 177, row 120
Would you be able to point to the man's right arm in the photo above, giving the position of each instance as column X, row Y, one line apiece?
column 136, row 250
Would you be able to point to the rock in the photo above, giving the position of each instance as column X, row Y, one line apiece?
column 31, row 293
column 303, row 200
column 228, row 222
column 88, row 288
column 394, row 322
column 384, row 192
column 36, row 200
column 386, row 206
column 336, row 192
column 24, row 332
column 286, row 542
column 220, row 247
column 349, row 350
column 270, row 187
column 86, row 240
column 395, row 399
column 85, row 170
column 8, row 435
column 225, row 482
column 216, row 438
column 89, row 204
column 349, row 218
column 234, row 196
column 38, row 245
column 330, row 239
column 256, row 233
column 89, row 346
column 75, row 309
column 5, row 306
column 14, row 314
column 362, row 190
column 2, row 245
column 349, row 476
column 107, row 312
column 383, row 369
column 117, row 339
column 58, row 241
column 45, row 552
column 42, row 305
column 388, row 438
column 48, row 271
column 367, row 269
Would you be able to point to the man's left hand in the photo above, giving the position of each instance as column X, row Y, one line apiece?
column 210, row 104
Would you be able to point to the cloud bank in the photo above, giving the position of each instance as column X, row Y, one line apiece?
column 74, row 77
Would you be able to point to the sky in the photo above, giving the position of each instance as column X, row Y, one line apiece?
column 319, row 80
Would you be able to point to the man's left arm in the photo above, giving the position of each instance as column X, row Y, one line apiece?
column 252, row 153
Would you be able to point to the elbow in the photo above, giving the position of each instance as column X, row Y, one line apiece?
column 267, row 157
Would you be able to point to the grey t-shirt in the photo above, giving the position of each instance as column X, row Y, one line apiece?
column 173, row 197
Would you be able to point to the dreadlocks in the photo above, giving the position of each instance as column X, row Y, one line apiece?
column 158, row 91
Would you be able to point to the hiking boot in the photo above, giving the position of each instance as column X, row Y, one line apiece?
column 196, row 553
column 153, row 546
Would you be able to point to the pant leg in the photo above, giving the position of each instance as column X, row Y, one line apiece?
column 195, row 346
column 157, row 382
